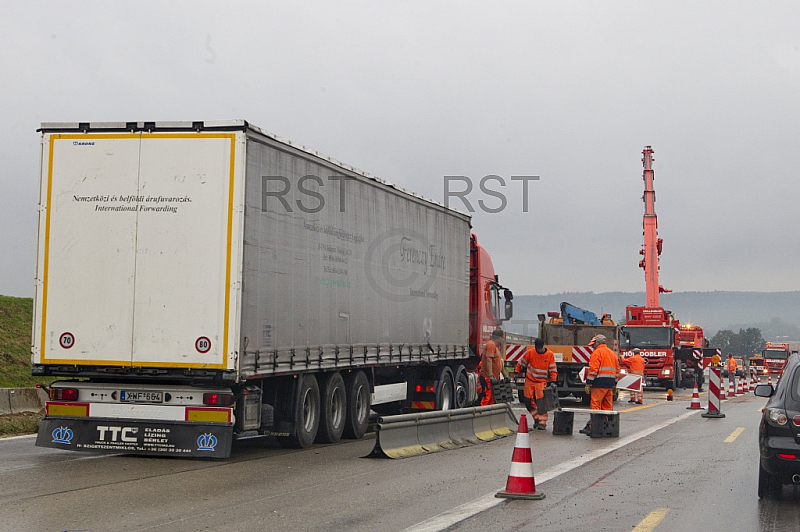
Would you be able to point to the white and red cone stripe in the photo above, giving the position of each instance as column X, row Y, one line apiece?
column 720, row 384
column 520, row 483
column 695, row 405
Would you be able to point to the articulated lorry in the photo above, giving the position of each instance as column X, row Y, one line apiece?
column 200, row 282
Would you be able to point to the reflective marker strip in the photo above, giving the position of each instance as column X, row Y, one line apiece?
column 422, row 405
column 214, row 415
column 735, row 434
column 67, row 409
column 652, row 520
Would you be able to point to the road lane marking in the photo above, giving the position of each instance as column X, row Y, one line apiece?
column 639, row 407
column 24, row 436
column 735, row 434
column 460, row 513
column 652, row 520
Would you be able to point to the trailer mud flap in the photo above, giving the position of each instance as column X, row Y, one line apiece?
column 175, row 438
column 427, row 432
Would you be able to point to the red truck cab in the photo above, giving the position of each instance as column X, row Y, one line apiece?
column 653, row 331
column 775, row 355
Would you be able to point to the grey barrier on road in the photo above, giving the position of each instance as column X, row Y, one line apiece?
column 428, row 432
column 19, row 400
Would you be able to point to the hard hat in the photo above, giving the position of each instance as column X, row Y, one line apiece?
column 593, row 340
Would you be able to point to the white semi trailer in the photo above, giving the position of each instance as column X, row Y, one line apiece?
column 199, row 282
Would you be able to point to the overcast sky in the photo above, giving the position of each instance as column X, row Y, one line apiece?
column 416, row 91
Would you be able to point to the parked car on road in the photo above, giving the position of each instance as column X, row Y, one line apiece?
column 779, row 433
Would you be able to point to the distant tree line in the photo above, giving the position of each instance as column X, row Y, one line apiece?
column 745, row 343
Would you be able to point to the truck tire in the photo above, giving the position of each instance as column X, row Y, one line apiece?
column 461, row 390
column 334, row 409
column 305, row 415
column 444, row 389
column 359, row 397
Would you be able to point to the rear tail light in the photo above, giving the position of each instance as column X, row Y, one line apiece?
column 796, row 421
column 217, row 399
column 424, row 388
column 64, row 394
column 787, row 456
column 777, row 417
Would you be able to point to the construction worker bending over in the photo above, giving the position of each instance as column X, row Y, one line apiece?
column 636, row 367
column 539, row 365
column 491, row 366
column 601, row 378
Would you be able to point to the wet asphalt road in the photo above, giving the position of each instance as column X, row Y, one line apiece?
column 682, row 476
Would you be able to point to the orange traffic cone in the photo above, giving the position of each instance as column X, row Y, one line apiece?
column 695, row 400
column 739, row 389
column 669, row 394
column 769, row 381
column 731, row 389
column 520, row 483
column 722, row 390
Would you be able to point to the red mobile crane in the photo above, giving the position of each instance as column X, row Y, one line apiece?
column 651, row 328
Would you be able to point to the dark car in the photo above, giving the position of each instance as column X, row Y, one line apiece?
column 779, row 433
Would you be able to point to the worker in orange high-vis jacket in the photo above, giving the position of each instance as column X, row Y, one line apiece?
column 732, row 367
column 636, row 367
column 539, row 365
column 490, row 366
column 601, row 378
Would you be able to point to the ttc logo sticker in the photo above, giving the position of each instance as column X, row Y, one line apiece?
column 206, row 442
column 63, row 435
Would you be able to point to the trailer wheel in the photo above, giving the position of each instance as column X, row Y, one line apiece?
column 461, row 391
column 334, row 409
column 306, row 415
column 444, row 389
column 358, row 404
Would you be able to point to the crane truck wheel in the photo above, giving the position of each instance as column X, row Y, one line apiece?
column 334, row 409
column 359, row 397
column 444, row 389
column 461, row 391
column 306, row 414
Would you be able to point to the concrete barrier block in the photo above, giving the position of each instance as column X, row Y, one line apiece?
column 5, row 401
column 24, row 400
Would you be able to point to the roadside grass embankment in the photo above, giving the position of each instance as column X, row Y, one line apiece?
column 16, row 318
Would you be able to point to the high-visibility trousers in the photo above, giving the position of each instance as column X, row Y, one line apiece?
column 488, row 397
column 638, row 396
column 602, row 399
column 530, row 404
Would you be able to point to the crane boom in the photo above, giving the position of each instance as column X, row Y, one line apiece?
column 651, row 248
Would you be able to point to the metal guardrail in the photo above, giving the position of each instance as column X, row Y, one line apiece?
column 429, row 432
